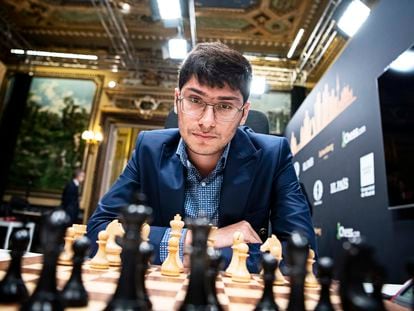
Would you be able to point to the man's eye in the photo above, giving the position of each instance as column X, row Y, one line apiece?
column 224, row 106
column 194, row 100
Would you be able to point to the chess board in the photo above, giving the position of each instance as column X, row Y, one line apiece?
column 164, row 291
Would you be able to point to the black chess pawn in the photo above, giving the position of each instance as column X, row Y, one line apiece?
column 74, row 293
column 196, row 297
column 128, row 294
column 46, row 295
column 216, row 262
column 297, row 255
column 12, row 287
column 267, row 302
column 325, row 272
column 357, row 267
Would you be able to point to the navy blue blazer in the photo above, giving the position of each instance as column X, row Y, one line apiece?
column 259, row 184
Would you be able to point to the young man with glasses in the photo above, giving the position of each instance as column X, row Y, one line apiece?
column 211, row 167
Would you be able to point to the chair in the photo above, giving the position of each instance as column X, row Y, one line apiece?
column 256, row 120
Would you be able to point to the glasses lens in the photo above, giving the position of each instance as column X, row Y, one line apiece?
column 222, row 111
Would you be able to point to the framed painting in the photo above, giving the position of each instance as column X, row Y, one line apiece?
column 49, row 144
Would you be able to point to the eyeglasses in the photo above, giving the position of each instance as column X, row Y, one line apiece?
column 223, row 111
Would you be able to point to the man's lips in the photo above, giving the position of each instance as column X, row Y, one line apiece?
column 205, row 135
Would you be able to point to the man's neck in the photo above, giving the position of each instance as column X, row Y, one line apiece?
column 205, row 164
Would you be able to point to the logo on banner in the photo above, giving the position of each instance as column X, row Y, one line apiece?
column 347, row 137
column 296, row 166
column 308, row 164
column 324, row 153
column 339, row 185
column 367, row 175
column 317, row 192
column 348, row 233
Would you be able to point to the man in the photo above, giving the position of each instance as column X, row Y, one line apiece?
column 210, row 167
column 70, row 195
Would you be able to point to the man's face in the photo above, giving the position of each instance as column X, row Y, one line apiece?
column 204, row 135
column 81, row 177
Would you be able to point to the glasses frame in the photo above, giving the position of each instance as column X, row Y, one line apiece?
column 181, row 98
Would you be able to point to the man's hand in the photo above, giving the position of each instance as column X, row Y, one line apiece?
column 224, row 236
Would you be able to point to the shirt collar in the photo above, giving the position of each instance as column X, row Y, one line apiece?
column 182, row 154
column 76, row 182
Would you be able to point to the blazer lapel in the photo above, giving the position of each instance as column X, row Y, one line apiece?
column 241, row 166
column 171, row 184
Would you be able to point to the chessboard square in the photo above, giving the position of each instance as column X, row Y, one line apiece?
column 28, row 277
column 162, row 303
column 242, row 292
column 240, row 307
column 281, row 290
column 161, row 285
column 101, row 287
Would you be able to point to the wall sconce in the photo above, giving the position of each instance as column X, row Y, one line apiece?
column 92, row 137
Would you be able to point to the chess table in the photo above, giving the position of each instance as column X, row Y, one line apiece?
column 166, row 293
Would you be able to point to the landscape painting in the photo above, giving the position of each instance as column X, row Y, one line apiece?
column 49, row 145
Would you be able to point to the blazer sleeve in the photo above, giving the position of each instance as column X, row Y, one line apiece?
column 121, row 194
column 290, row 211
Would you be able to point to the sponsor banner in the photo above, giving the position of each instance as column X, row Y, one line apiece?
column 326, row 151
column 347, row 233
column 317, row 192
column 367, row 175
column 308, row 164
column 339, row 185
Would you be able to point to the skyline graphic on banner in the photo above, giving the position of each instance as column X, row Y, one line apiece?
column 329, row 104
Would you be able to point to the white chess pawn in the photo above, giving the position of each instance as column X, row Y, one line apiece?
column 310, row 279
column 80, row 231
column 176, row 226
column 170, row 266
column 145, row 232
column 100, row 261
column 238, row 238
column 65, row 257
column 212, row 236
column 241, row 274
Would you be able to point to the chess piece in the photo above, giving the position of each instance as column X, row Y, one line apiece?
column 113, row 250
column 358, row 264
column 274, row 246
column 170, row 265
column 196, row 297
column 267, row 302
column 65, row 257
column 410, row 270
column 325, row 271
column 146, row 250
column 46, row 295
column 176, row 226
column 12, row 287
column 238, row 238
column 240, row 273
column 216, row 261
column 145, row 232
column 74, row 293
column 297, row 254
column 310, row 279
column 129, row 294
column 100, row 261
column 80, row 230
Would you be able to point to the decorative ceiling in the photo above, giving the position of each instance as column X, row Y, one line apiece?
column 136, row 40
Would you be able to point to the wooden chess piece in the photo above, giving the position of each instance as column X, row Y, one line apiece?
column 80, row 230
column 240, row 273
column 212, row 236
column 310, row 279
column 215, row 264
column 170, row 265
column 46, row 295
column 65, row 257
column 176, row 226
column 297, row 254
column 12, row 287
column 74, row 293
column 238, row 238
column 100, row 261
column 325, row 272
column 113, row 250
column 145, row 232
column 267, row 302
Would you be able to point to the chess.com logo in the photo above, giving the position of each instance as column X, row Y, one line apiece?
column 348, row 233
column 318, row 192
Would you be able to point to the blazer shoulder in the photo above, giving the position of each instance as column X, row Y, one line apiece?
column 156, row 138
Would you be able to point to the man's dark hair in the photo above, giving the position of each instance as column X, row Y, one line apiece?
column 215, row 64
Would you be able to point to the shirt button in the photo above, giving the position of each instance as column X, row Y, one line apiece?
column 203, row 184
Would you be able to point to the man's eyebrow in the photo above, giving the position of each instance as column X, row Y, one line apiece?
column 200, row 92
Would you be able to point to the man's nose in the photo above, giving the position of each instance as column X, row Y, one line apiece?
column 207, row 118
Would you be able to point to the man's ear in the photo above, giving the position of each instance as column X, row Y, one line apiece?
column 246, row 109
